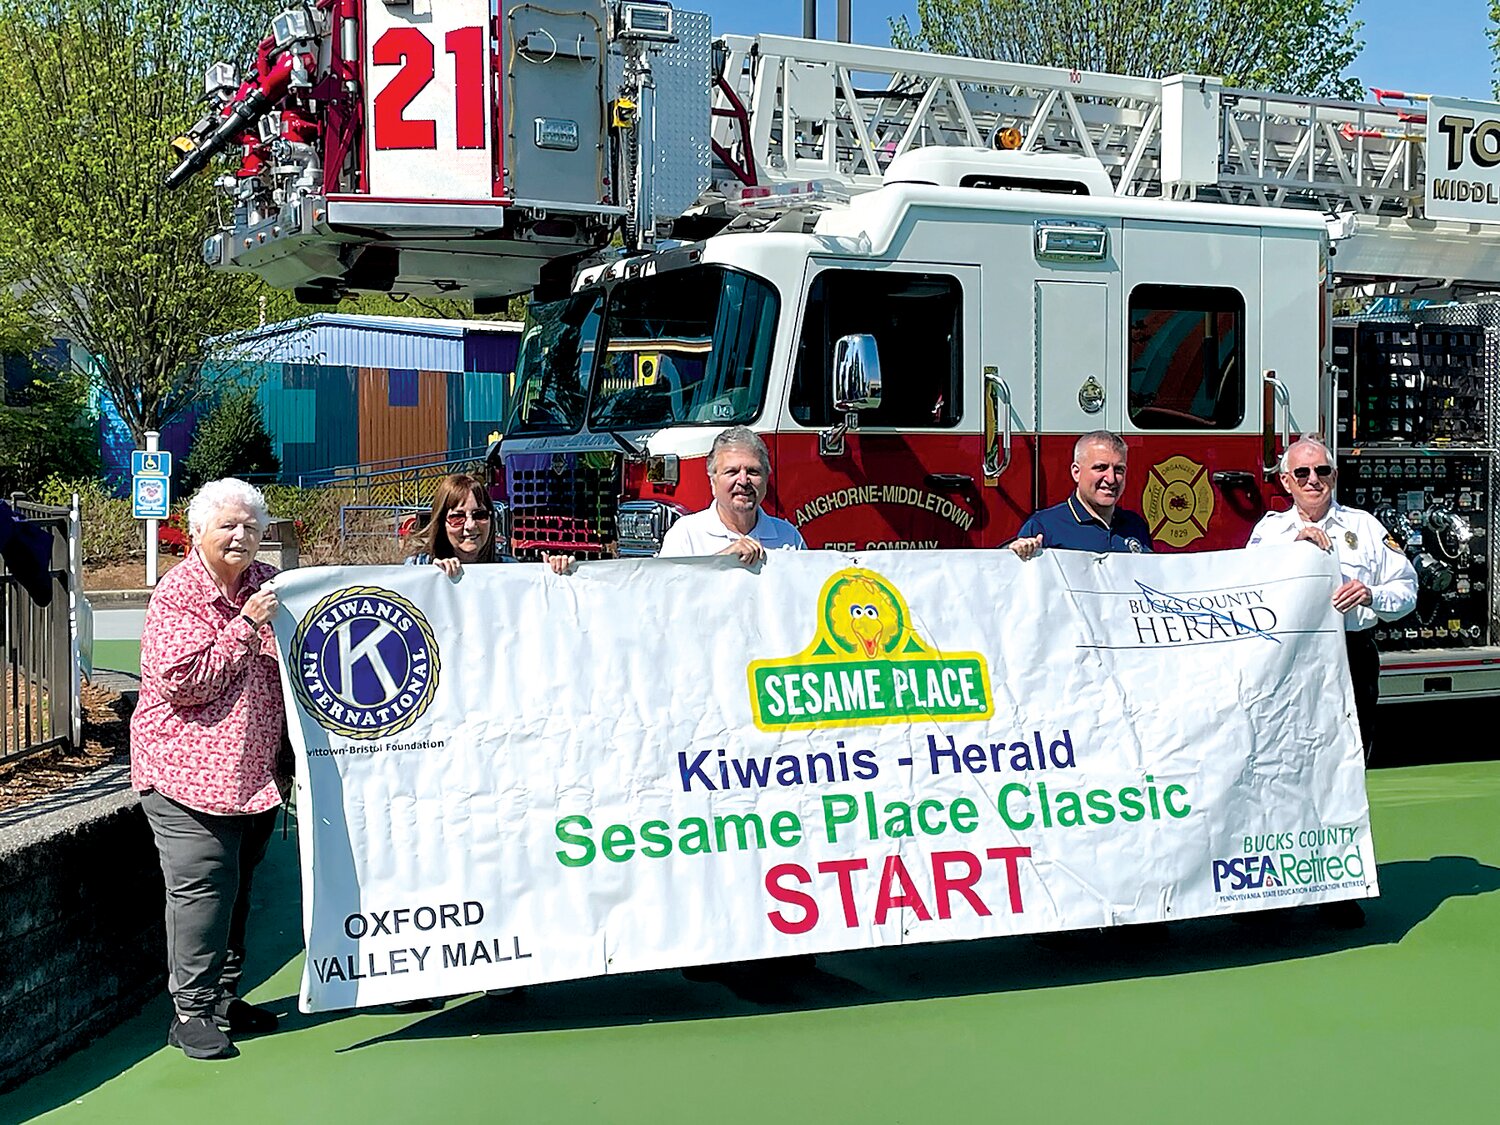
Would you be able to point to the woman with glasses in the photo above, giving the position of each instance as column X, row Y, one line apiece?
column 461, row 530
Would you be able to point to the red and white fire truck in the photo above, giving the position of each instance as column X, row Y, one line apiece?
column 917, row 277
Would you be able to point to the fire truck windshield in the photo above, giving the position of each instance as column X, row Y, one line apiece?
column 687, row 346
column 557, row 354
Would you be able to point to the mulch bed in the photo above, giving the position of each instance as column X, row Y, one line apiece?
column 106, row 738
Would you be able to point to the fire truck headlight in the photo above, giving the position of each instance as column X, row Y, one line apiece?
column 641, row 525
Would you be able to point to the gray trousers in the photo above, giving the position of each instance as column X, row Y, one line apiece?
column 207, row 862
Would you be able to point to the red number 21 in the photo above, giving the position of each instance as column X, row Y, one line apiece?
column 408, row 48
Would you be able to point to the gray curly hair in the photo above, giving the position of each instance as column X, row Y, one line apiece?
column 739, row 437
column 217, row 494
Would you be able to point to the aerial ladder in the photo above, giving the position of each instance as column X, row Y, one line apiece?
column 362, row 168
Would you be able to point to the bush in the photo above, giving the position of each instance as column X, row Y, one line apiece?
column 46, row 428
column 314, row 510
column 231, row 441
column 109, row 532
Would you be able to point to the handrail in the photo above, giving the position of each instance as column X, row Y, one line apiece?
column 354, row 474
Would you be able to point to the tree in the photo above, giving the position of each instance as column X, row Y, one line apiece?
column 230, row 442
column 46, row 429
column 90, row 239
column 1494, row 37
column 281, row 306
column 1290, row 46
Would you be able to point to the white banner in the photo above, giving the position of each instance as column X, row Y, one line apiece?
column 521, row 777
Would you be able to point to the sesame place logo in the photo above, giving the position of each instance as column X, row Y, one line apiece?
column 1178, row 501
column 866, row 665
column 367, row 662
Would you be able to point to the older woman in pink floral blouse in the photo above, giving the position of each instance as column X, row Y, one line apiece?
column 203, row 745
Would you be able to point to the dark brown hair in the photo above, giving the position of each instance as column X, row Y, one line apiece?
column 451, row 492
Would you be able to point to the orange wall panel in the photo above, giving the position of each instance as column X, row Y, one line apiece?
column 387, row 432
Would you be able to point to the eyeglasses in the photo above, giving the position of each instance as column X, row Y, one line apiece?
column 1302, row 472
column 458, row 519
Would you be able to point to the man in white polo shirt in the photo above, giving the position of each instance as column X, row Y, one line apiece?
column 739, row 469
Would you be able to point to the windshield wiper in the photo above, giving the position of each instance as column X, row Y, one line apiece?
column 633, row 451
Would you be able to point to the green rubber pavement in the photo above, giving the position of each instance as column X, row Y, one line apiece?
column 122, row 656
column 1275, row 1020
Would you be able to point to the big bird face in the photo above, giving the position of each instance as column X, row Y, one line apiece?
column 864, row 616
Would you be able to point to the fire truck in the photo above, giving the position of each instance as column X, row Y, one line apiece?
column 917, row 277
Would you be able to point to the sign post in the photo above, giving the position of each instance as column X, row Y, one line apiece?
column 150, row 494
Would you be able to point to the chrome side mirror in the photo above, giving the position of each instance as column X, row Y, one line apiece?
column 856, row 374
column 856, row 387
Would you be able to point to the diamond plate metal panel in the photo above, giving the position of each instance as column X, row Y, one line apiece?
column 681, row 70
column 1492, row 393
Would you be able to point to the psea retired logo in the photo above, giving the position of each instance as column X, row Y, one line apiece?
column 366, row 662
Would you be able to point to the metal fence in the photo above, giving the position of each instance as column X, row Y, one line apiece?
column 398, row 480
column 39, row 703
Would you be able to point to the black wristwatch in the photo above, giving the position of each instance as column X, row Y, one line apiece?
column 251, row 621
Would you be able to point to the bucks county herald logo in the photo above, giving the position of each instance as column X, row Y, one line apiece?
column 367, row 662
column 866, row 665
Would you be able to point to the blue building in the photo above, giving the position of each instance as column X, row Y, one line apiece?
column 338, row 390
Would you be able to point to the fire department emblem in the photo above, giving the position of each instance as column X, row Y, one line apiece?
column 1178, row 501
column 366, row 662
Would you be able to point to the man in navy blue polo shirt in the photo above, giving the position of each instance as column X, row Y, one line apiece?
column 1090, row 519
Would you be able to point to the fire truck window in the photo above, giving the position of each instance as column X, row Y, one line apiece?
column 1187, row 357
column 557, row 353
column 687, row 346
column 915, row 319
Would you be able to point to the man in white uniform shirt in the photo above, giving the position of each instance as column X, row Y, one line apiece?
column 1379, row 583
column 739, row 469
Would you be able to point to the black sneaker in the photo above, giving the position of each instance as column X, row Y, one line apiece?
column 243, row 1018
column 200, row 1038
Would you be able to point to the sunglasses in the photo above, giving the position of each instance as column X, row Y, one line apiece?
column 478, row 515
column 1302, row 472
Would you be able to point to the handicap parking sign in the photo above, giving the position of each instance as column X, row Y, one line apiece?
column 150, row 498
column 150, row 463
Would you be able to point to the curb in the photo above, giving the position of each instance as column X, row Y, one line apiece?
column 117, row 599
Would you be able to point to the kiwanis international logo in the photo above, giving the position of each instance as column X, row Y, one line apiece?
column 1178, row 501
column 366, row 662
column 866, row 665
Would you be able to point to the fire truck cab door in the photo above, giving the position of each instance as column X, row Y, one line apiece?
column 1076, row 333
column 1195, row 344
column 911, row 475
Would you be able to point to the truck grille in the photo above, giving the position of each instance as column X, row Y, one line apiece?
column 563, row 503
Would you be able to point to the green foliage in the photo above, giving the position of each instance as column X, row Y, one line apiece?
column 110, row 534
column 99, row 250
column 231, row 441
column 1290, row 46
column 315, row 512
column 1494, row 38
column 47, row 429
column 284, row 306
